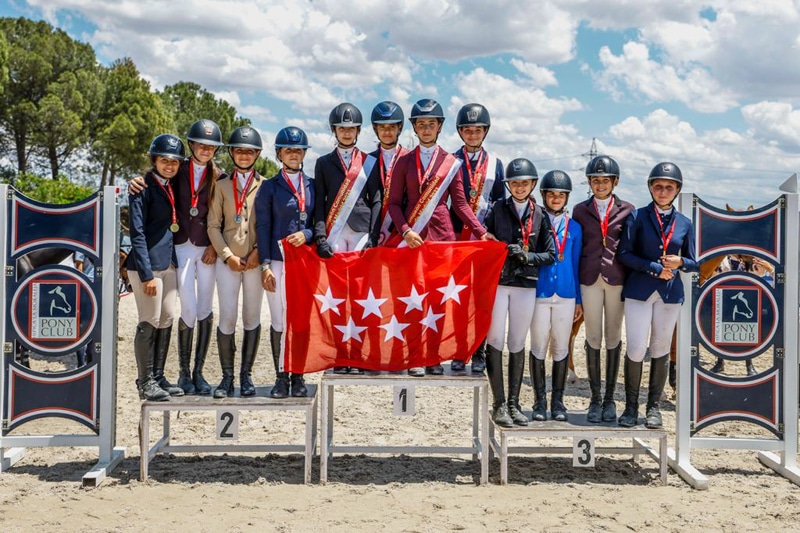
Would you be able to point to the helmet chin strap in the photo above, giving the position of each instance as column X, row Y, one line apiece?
column 291, row 170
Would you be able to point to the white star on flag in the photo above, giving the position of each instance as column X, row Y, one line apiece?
column 451, row 291
column 413, row 300
column 394, row 329
column 429, row 322
column 329, row 302
column 372, row 305
column 350, row 331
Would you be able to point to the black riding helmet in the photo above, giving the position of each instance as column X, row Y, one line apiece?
column 426, row 108
column 168, row 146
column 602, row 165
column 521, row 169
column 205, row 131
column 290, row 137
column 473, row 115
column 387, row 112
column 666, row 171
column 555, row 180
column 245, row 137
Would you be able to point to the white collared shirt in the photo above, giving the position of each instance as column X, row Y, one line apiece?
column 387, row 156
column 346, row 155
column 241, row 179
column 602, row 205
column 426, row 154
column 294, row 179
column 198, row 174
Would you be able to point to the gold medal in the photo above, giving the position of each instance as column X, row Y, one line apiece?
column 174, row 227
column 525, row 248
column 604, row 242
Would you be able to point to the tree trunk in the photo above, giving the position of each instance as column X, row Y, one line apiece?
column 22, row 155
column 104, row 175
column 52, row 155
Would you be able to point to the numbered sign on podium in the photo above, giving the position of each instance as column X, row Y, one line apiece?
column 404, row 400
column 227, row 425
column 583, row 452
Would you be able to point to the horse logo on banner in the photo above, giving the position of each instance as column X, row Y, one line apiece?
column 739, row 315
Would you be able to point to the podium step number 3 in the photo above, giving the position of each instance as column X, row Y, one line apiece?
column 227, row 425
column 583, row 452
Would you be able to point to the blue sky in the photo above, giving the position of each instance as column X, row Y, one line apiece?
column 710, row 85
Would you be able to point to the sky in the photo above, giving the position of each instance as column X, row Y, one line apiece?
column 712, row 86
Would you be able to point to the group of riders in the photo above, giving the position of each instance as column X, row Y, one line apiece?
column 194, row 227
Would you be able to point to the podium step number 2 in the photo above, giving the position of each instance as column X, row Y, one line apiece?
column 404, row 400
column 583, row 452
column 227, row 425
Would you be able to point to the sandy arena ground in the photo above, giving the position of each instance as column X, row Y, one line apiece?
column 252, row 492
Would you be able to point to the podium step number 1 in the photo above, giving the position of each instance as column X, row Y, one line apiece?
column 583, row 452
column 404, row 400
column 227, row 425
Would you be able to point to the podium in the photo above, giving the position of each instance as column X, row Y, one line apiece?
column 478, row 448
column 235, row 404
column 578, row 428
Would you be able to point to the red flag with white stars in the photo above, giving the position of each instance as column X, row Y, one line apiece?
column 388, row 308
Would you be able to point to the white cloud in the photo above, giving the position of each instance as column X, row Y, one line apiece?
column 658, row 82
column 719, row 165
column 541, row 77
column 776, row 122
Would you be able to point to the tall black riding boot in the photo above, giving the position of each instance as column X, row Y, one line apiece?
column 633, row 380
column 595, row 412
column 751, row 370
column 144, row 343
column 185, row 334
column 659, row 369
column 494, row 367
column 227, row 349
column 612, row 371
column 516, row 369
column 249, row 350
column 204, row 328
column 479, row 359
column 163, row 336
column 281, row 387
column 558, row 411
column 539, row 388
column 719, row 366
column 299, row 389
column 673, row 375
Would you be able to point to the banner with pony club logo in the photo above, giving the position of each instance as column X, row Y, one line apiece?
column 388, row 308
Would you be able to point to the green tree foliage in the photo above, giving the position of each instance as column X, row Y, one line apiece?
column 3, row 63
column 189, row 102
column 53, row 191
column 52, row 85
column 267, row 167
column 130, row 117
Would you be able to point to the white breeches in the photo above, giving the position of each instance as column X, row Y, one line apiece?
column 196, row 282
column 551, row 326
column 654, row 319
column 350, row 240
column 275, row 299
column 516, row 304
column 229, row 284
